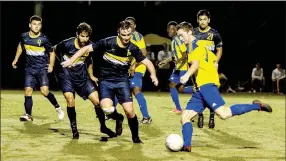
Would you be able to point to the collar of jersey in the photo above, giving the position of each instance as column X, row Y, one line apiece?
column 119, row 43
column 76, row 43
column 35, row 35
column 205, row 30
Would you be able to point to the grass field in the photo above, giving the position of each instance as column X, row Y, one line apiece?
column 256, row 136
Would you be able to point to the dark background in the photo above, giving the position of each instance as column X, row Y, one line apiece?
column 251, row 31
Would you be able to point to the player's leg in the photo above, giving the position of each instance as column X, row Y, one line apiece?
column 69, row 96
column 44, row 88
column 88, row 90
column 194, row 106
column 125, row 99
column 30, row 81
column 214, row 100
column 136, row 86
column 106, row 95
column 174, row 80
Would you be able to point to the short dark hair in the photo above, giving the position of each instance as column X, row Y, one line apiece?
column 131, row 18
column 185, row 25
column 84, row 27
column 174, row 23
column 35, row 18
column 123, row 25
column 203, row 12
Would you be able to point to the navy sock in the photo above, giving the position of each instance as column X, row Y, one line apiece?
column 115, row 102
column 142, row 104
column 100, row 115
column 51, row 97
column 28, row 104
column 188, row 89
column 133, row 125
column 212, row 113
column 239, row 109
column 175, row 98
column 187, row 133
column 72, row 116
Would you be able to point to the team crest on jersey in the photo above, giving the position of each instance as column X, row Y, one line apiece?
column 39, row 42
column 128, row 53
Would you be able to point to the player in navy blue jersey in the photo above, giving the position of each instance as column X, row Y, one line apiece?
column 118, row 53
column 78, row 78
column 40, row 60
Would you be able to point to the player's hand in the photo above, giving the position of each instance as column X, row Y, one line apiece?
column 162, row 63
column 154, row 80
column 50, row 68
column 93, row 78
column 67, row 63
column 131, row 73
column 184, row 79
column 14, row 64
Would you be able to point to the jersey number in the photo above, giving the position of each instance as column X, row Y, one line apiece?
column 210, row 36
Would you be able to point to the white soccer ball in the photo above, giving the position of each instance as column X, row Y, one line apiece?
column 174, row 142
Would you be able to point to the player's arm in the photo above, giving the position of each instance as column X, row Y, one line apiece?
column 218, row 44
column 17, row 56
column 50, row 49
column 194, row 59
column 90, row 70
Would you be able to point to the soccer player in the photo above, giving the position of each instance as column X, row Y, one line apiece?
column 113, row 77
column 78, row 77
column 209, row 37
column 40, row 60
column 179, row 53
column 206, row 81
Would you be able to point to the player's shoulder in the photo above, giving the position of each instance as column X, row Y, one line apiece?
column 137, row 36
column 213, row 30
column 133, row 46
column 196, row 29
column 68, row 41
column 25, row 34
column 109, row 40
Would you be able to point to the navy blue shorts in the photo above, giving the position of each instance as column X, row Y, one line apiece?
column 32, row 76
column 83, row 88
column 136, row 80
column 176, row 76
column 109, row 89
column 207, row 96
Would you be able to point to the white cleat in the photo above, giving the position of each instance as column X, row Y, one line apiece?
column 61, row 113
column 26, row 117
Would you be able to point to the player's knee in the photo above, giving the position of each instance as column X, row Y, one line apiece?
column 70, row 100
column 130, row 114
column 172, row 85
column 108, row 109
column 181, row 89
column 28, row 91
column 223, row 113
column 44, row 91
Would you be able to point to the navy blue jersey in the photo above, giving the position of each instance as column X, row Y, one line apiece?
column 116, row 59
column 37, row 50
column 209, row 38
column 66, row 49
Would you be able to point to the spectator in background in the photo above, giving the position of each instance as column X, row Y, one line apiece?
column 150, row 55
column 224, row 86
column 278, row 79
column 257, row 79
column 164, row 70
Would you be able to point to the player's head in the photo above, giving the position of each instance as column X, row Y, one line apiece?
column 278, row 66
column 83, row 33
column 171, row 28
column 124, row 32
column 185, row 30
column 203, row 18
column 35, row 24
column 132, row 21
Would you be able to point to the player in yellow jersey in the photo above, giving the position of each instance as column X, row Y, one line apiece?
column 206, row 81
column 209, row 37
column 179, row 53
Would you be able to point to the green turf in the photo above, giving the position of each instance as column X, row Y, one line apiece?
column 256, row 136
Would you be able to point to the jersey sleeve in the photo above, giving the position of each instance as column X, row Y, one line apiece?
column 180, row 44
column 141, row 43
column 137, row 54
column 48, row 45
column 99, row 45
column 89, row 60
column 60, row 47
column 217, row 40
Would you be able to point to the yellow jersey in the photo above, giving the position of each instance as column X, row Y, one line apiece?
column 178, row 47
column 207, row 72
column 138, row 40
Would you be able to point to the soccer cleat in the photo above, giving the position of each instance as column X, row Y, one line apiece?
column 263, row 106
column 201, row 121
column 177, row 111
column 187, row 148
column 61, row 113
column 75, row 133
column 211, row 123
column 119, row 122
column 26, row 117
column 109, row 132
column 146, row 120
column 136, row 140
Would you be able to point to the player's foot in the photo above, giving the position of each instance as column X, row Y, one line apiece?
column 61, row 113
column 136, row 140
column 75, row 135
column 187, row 148
column 263, row 106
column 119, row 122
column 177, row 111
column 109, row 132
column 26, row 117
column 146, row 120
column 201, row 121
column 211, row 123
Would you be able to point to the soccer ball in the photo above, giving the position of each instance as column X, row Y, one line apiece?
column 174, row 142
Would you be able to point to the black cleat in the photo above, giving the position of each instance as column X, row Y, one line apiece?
column 75, row 135
column 263, row 106
column 109, row 132
column 211, row 123
column 146, row 120
column 119, row 122
column 201, row 121
column 136, row 140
